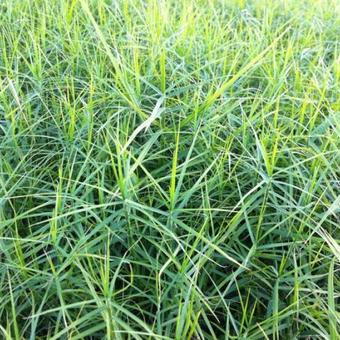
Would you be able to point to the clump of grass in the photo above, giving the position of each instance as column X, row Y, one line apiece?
column 169, row 169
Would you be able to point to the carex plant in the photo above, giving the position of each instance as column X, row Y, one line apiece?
column 169, row 169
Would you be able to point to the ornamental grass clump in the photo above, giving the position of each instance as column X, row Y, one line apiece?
column 169, row 169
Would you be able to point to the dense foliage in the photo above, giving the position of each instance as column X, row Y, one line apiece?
column 169, row 169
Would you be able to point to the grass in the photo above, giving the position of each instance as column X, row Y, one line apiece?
column 169, row 169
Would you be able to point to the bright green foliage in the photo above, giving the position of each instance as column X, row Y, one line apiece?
column 169, row 169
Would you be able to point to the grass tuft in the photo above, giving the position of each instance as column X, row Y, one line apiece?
column 169, row 169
